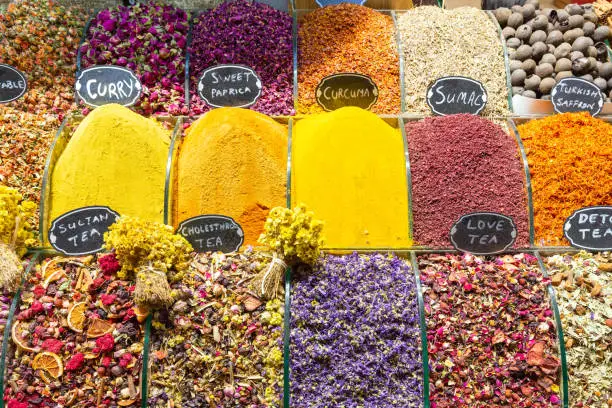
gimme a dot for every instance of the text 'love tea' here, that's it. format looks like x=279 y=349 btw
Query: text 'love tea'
x=577 y=95
x=13 y=84
x=455 y=94
x=590 y=228
x=346 y=89
x=104 y=84
x=230 y=86
x=212 y=233
x=81 y=231
x=483 y=233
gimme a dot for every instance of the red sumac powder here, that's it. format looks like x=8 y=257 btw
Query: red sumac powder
x=462 y=164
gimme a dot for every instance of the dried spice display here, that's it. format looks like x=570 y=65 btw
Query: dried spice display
x=355 y=336
x=583 y=283
x=150 y=39
x=247 y=33
x=569 y=160
x=218 y=345
x=231 y=162
x=101 y=166
x=491 y=336
x=547 y=45
x=348 y=38
x=41 y=38
x=24 y=145
x=462 y=41
x=486 y=174
x=76 y=338
x=365 y=203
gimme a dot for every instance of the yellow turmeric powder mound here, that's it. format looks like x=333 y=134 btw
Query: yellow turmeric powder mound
x=570 y=160
x=115 y=158
x=232 y=162
x=348 y=166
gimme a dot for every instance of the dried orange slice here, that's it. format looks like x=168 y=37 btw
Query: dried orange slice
x=141 y=313
x=20 y=340
x=49 y=362
x=99 y=327
x=53 y=277
x=76 y=317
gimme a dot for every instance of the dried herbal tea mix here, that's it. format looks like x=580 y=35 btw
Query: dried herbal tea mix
x=490 y=331
x=219 y=345
x=463 y=41
x=355 y=335
x=76 y=337
x=583 y=283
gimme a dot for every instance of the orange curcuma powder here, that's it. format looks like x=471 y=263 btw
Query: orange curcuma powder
x=570 y=160
x=231 y=162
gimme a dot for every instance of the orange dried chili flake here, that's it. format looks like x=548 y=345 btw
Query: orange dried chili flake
x=570 y=160
x=348 y=38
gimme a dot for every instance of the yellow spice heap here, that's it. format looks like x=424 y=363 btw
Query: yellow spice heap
x=232 y=162
x=115 y=158
x=349 y=168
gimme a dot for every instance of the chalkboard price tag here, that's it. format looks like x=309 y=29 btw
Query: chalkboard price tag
x=577 y=95
x=104 y=84
x=483 y=233
x=590 y=228
x=323 y=3
x=230 y=86
x=346 y=89
x=81 y=231
x=13 y=84
x=212 y=233
x=456 y=94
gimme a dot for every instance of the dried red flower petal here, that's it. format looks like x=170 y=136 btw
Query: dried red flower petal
x=39 y=291
x=75 y=362
x=108 y=300
x=52 y=345
x=109 y=264
x=105 y=343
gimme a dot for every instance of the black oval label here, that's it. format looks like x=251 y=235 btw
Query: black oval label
x=483 y=233
x=229 y=86
x=590 y=228
x=210 y=233
x=104 y=84
x=13 y=84
x=456 y=94
x=577 y=95
x=81 y=231
x=346 y=89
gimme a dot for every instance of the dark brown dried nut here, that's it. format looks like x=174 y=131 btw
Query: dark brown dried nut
x=581 y=66
x=563 y=51
x=544 y=70
x=529 y=66
x=582 y=44
x=502 y=14
x=539 y=23
x=602 y=51
x=523 y=32
x=562 y=15
x=517 y=8
x=548 y=58
x=590 y=17
x=517 y=78
x=574 y=55
x=571 y=35
x=574 y=9
x=536 y=36
x=605 y=72
x=514 y=65
x=538 y=50
x=528 y=12
x=513 y=42
x=576 y=21
x=563 y=64
x=555 y=38
x=547 y=85
x=530 y=94
x=515 y=20
x=517 y=90
x=563 y=74
x=591 y=51
x=508 y=32
x=532 y=83
x=601 y=33
x=523 y=52
x=588 y=28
